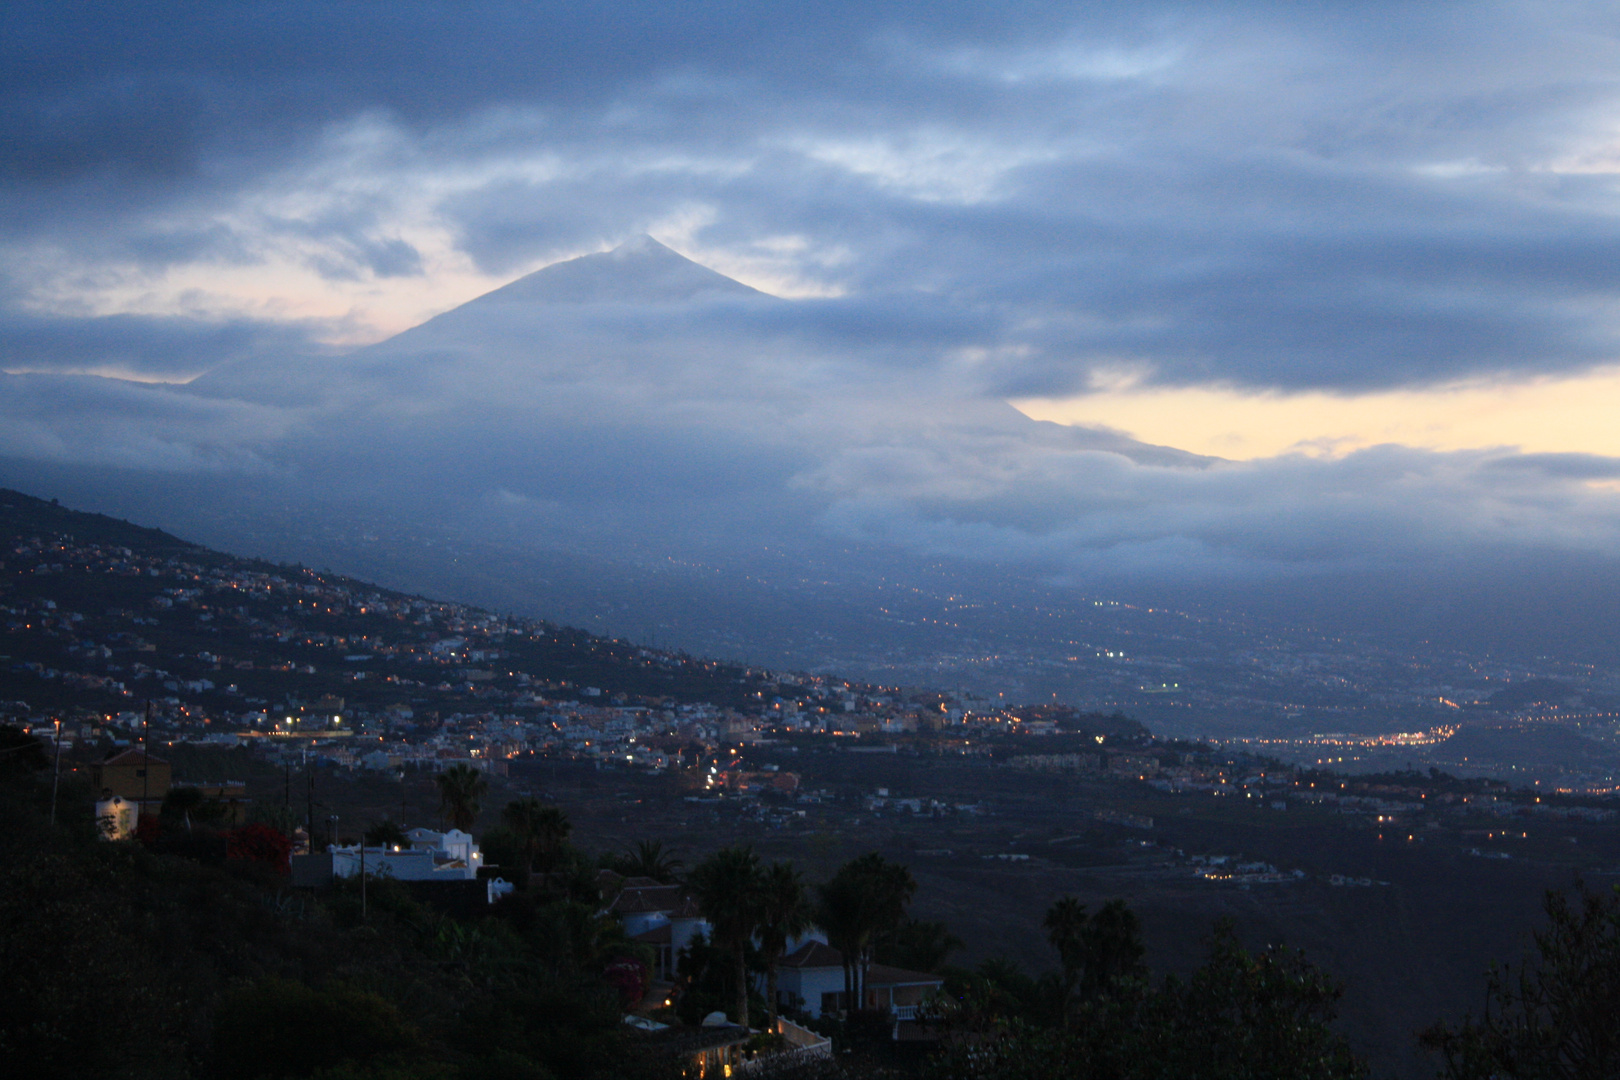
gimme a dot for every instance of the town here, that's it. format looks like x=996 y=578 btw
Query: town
x=174 y=683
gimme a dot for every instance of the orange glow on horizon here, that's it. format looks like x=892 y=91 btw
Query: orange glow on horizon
x=1538 y=415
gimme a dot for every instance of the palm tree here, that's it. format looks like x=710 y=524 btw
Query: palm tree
x=461 y=791
x=1097 y=951
x=649 y=859
x=918 y=945
x=386 y=832
x=542 y=829
x=727 y=885
x=840 y=914
x=866 y=898
x=784 y=913
x=1066 y=924
x=1113 y=949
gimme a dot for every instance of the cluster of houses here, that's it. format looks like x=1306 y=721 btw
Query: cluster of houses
x=131 y=783
x=810 y=973
x=663 y=916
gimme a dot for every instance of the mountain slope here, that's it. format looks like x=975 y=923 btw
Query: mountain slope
x=100 y=614
x=638 y=444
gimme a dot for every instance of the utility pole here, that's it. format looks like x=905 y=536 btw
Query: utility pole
x=56 y=775
x=310 y=822
x=362 y=877
x=146 y=763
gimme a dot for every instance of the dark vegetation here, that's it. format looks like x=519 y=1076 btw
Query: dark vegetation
x=123 y=961
x=1240 y=1014
x=1557 y=1014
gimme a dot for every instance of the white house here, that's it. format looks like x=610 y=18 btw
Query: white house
x=663 y=916
x=431 y=856
x=812 y=977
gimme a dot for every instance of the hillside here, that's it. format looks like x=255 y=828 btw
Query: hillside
x=101 y=614
x=341 y=687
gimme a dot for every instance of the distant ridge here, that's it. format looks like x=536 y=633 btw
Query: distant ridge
x=21 y=514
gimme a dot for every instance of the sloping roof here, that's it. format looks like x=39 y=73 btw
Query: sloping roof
x=642 y=900
x=608 y=880
x=688 y=909
x=883 y=975
x=132 y=757
x=813 y=954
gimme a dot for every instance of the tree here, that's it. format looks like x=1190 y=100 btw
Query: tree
x=21 y=754
x=386 y=833
x=784 y=913
x=865 y=898
x=190 y=806
x=461 y=793
x=1097 y=951
x=182 y=802
x=841 y=915
x=259 y=844
x=1240 y=1016
x=648 y=859
x=727 y=885
x=1112 y=949
x=1066 y=923
x=1558 y=1018
x=917 y=945
x=1246 y=1014
x=542 y=829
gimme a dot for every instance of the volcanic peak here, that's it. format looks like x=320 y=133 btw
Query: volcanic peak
x=639 y=271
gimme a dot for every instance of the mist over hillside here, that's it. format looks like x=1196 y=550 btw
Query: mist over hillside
x=634 y=443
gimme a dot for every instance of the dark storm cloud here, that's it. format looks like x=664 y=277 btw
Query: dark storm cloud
x=1563 y=466
x=148 y=346
x=1262 y=195
x=108 y=88
x=130 y=130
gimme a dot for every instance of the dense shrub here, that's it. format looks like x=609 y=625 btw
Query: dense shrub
x=278 y=1028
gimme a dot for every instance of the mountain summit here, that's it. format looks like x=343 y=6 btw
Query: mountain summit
x=639 y=271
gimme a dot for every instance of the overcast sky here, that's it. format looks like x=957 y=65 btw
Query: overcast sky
x=1289 y=196
x=1274 y=233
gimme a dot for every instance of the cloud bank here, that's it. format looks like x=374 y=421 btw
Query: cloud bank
x=636 y=394
x=1262 y=196
x=951 y=206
